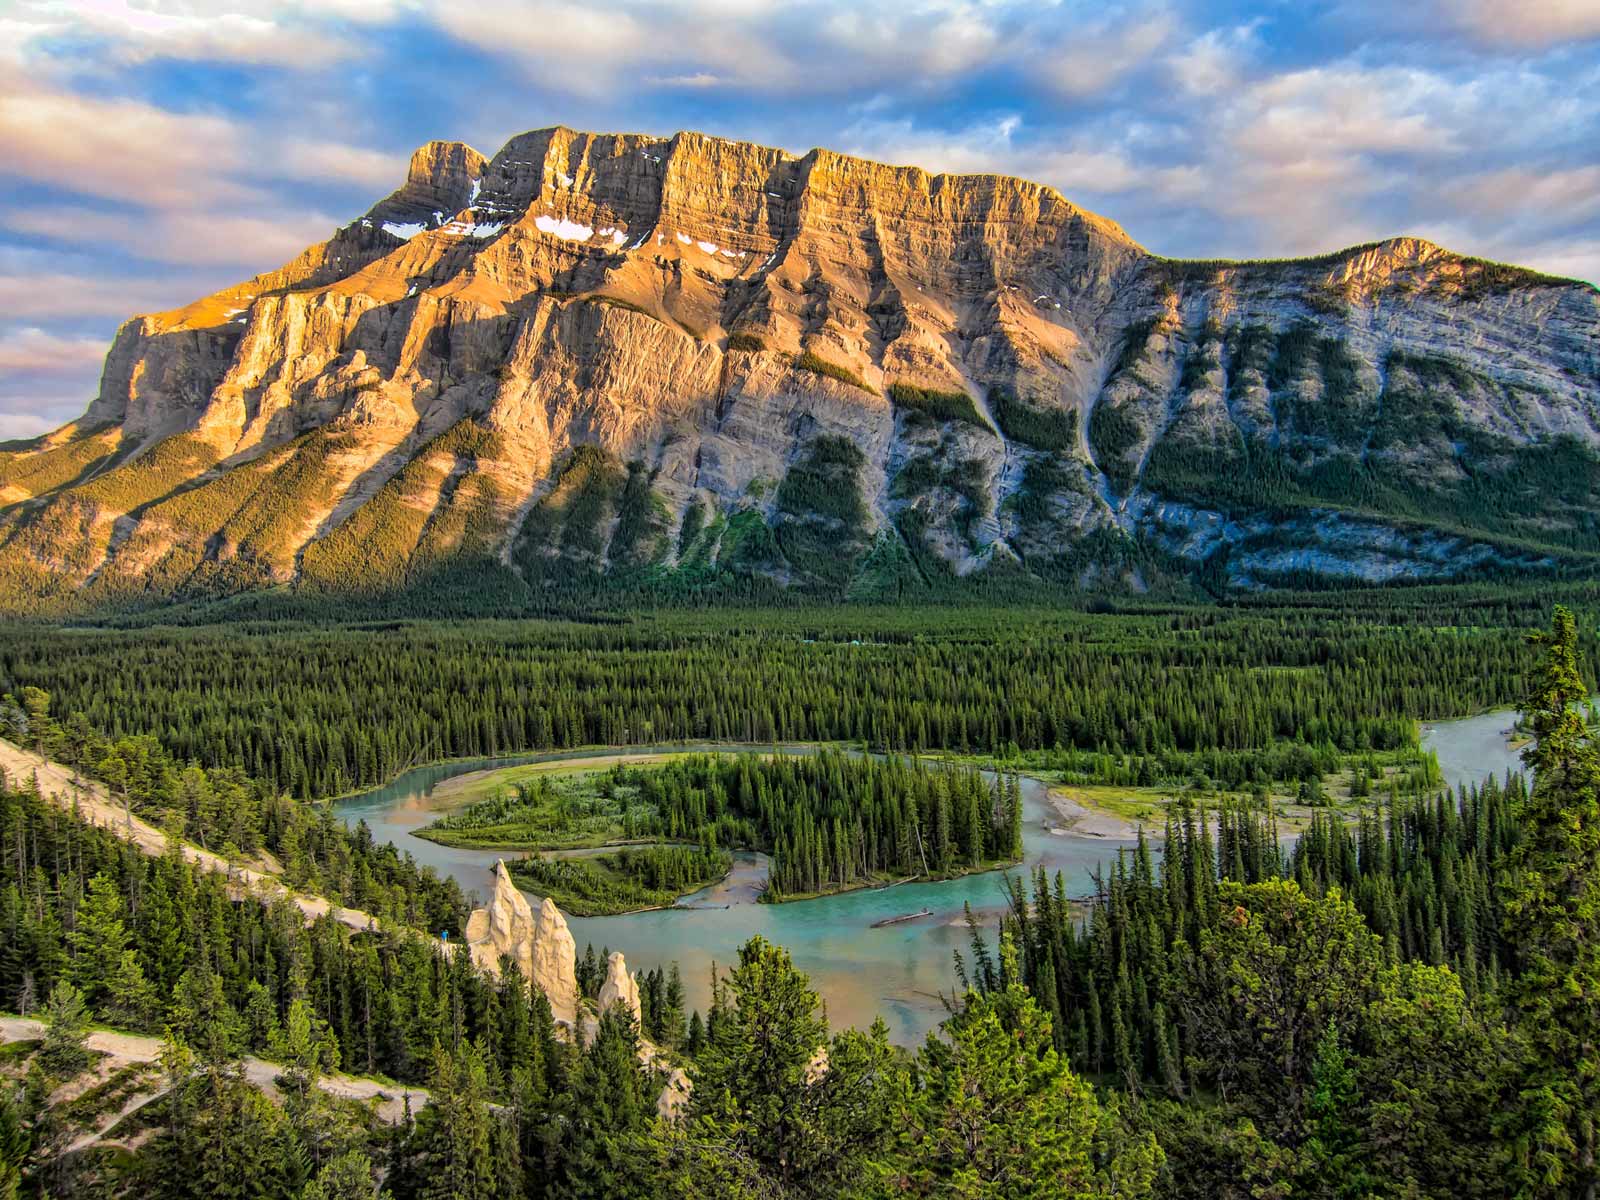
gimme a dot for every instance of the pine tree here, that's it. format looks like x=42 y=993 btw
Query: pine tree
x=769 y=1090
x=452 y=1147
x=98 y=941
x=65 y=1053
x=992 y=1110
x=670 y=1019
x=348 y=1177
x=1552 y=924
x=604 y=1147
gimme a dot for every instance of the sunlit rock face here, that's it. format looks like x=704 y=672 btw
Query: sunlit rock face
x=541 y=946
x=504 y=926
x=555 y=962
x=595 y=354
x=619 y=988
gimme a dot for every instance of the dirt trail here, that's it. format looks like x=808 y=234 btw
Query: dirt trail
x=127 y=1049
x=60 y=785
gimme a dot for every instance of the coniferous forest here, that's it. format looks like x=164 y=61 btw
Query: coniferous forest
x=829 y=821
x=1398 y=1001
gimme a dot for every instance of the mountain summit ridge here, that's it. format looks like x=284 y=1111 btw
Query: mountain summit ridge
x=688 y=361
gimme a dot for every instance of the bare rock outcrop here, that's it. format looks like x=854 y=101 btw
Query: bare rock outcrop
x=505 y=926
x=619 y=987
x=675 y=1095
x=541 y=945
x=555 y=962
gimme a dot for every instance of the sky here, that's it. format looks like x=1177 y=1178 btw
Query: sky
x=153 y=151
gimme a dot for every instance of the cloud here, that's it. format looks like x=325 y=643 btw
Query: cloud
x=291 y=35
x=45 y=379
x=323 y=161
x=1493 y=27
x=1511 y=193
x=119 y=149
x=248 y=243
x=1529 y=23
x=1086 y=61
x=985 y=147
x=1215 y=62
x=700 y=79
x=43 y=294
x=130 y=150
x=32 y=349
x=25 y=425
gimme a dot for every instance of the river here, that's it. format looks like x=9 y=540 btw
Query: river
x=898 y=971
x=1473 y=749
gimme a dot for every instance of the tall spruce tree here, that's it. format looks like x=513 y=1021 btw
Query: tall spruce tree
x=1552 y=924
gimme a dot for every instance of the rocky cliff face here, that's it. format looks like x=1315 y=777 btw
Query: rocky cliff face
x=691 y=360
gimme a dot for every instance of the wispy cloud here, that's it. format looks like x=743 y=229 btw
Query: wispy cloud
x=32 y=349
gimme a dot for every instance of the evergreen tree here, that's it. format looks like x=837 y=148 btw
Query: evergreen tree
x=1268 y=979
x=605 y=1148
x=768 y=1089
x=348 y=1177
x=65 y=1052
x=1552 y=924
x=452 y=1150
x=992 y=1110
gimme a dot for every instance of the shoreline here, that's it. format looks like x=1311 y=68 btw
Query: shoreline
x=1085 y=821
x=884 y=885
x=590 y=764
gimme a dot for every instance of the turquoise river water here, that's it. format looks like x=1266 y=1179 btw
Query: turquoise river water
x=898 y=971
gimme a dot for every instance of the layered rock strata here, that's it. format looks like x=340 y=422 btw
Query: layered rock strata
x=614 y=355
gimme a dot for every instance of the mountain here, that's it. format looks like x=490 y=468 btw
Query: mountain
x=692 y=363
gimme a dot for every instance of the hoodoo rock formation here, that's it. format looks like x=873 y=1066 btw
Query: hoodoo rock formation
x=555 y=962
x=542 y=946
x=689 y=361
x=619 y=988
x=502 y=927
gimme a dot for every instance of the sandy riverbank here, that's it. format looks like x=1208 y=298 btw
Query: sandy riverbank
x=1081 y=820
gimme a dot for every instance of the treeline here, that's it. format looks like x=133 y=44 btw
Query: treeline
x=830 y=820
x=224 y=810
x=1231 y=770
x=627 y=881
x=317 y=712
x=839 y=821
x=1425 y=874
